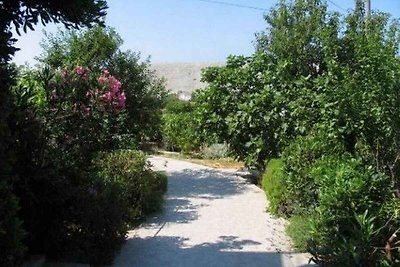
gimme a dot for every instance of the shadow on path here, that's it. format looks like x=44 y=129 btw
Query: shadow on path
x=172 y=251
x=188 y=185
x=204 y=183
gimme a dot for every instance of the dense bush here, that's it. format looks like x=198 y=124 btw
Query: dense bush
x=139 y=185
x=99 y=49
x=349 y=223
x=301 y=190
x=61 y=120
x=120 y=189
x=53 y=123
x=11 y=231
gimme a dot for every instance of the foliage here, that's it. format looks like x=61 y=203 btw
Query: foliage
x=322 y=93
x=241 y=125
x=138 y=184
x=273 y=183
x=60 y=124
x=121 y=189
x=298 y=230
x=301 y=190
x=274 y=92
x=180 y=126
x=346 y=225
x=99 y=49
x=11 y=231
x=25 y=14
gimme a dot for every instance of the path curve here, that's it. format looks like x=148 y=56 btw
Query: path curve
x=211 y=218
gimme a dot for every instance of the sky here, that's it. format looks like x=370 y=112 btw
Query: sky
x=191 y=31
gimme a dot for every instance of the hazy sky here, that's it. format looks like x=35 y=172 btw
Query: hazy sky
x=186 y=30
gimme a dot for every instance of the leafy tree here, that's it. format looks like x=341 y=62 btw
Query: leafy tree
x=26 y=14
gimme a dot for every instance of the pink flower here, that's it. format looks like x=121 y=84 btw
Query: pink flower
x=107 y=97
x=102 y=80
x=85 y=111
x=64 y=74
x=121 y=100
x=106 y=72
x=115 y=85
x=80 y=70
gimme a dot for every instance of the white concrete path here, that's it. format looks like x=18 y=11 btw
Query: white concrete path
x=211 y=218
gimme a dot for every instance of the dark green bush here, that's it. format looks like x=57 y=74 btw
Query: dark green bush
x=115 y=195
x=273 y=183
x=11 y=231
x=346 y=222
x=300 y=187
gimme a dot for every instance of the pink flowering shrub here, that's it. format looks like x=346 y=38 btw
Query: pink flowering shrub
x=88 y=109
x=112 y=95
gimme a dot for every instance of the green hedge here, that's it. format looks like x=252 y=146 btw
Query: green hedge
x=273 y=184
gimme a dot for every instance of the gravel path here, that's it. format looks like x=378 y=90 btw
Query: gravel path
x=211 y=218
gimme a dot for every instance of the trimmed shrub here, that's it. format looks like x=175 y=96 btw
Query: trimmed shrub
x=139 y=185
x=112 y=197
x=273 y=184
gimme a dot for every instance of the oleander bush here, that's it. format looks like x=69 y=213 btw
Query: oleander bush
x=61 y=121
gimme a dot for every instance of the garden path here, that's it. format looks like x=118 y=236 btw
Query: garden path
x=211 y=218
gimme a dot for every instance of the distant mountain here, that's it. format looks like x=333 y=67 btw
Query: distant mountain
x=182 y=77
